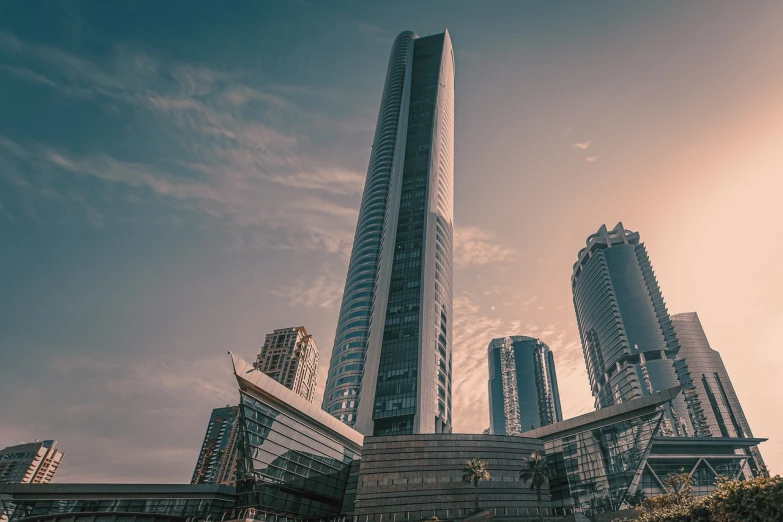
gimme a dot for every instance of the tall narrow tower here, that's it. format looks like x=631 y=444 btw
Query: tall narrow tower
x=628 y=340
x=390 y=370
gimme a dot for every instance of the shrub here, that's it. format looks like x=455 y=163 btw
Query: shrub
x=756 y=500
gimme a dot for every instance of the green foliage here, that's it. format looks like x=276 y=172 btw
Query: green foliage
x=756 y=500
x=475 y=471
x=537 y=471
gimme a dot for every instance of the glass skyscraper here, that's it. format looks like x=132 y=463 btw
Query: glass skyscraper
x=628 y=340
x=717 y=410
x=390 y=369
x=217 y=460
x=523 y=392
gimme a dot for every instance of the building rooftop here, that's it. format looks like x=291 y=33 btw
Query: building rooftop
x=632 y=408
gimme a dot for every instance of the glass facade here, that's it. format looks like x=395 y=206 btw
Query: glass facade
x=595 y=468
x=346 y=368
x=179 y=507
x=116 y=502
x=217 y=460
x=293 y=458
x=288 y=466
x=390 y=371
x=523 y=392
x=628 y=340
x=716 y=408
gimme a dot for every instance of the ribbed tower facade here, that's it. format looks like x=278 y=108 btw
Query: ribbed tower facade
x=390 y=370
x=717 y=410
x=628 y=340
x=523 y=392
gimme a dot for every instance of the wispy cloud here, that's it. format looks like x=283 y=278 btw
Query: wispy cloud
x=475 y=246
x=582 y=145
x=229 y=154
x=324 y=291
x=591 y=159
x=27 y=75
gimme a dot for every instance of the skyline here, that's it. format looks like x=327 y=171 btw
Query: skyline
x=155 y=195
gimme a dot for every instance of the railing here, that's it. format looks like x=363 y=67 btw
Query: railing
x=251 y=514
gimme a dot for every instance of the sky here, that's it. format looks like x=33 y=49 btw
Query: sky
x=178 y=179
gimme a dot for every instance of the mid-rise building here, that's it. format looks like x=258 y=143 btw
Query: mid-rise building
x=523 y=392
x=629 y=344
x=290 y=356
x=30 y=463
x=716 y=407
x=390 y=372
x=217 y=461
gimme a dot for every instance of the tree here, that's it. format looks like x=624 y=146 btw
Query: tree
x=636 y=499
x=537 y=472
x=474 y=472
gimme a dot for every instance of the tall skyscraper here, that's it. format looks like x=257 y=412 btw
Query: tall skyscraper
x=628 y=339
x=523 y=393
x=390 y=371
x=30 y=462
x=717 y=410
x=290 y=356
x=217 y=461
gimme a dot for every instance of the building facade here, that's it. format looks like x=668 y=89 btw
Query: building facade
x=523 y=392
x=390 y=371
x=628 y=340
x=603 y=458
x=416 y=477
x=290 y=356
x=293 y=458
x=718 y=412
x=30 y=463
x=117 y=502
x=217 y=460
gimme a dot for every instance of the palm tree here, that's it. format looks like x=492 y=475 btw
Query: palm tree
x=537 y=472
x=475 y=471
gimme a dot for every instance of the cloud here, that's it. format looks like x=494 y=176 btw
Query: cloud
x=324 y=291
x=228 y=152
x=591 y=159
x=27 y=75
x=474 y=246
x=154 y=390
x=473 y=330
x=582 y=145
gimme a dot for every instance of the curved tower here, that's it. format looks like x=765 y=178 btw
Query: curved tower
x=628 y=339
x=390 y=369
x=523 y=392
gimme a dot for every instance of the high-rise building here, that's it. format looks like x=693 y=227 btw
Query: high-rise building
x=627 y=336
x=217 y=461
x=30 y=462
x=523 y=393
x=390 y=370
x=290 y=356
x=716 y=409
